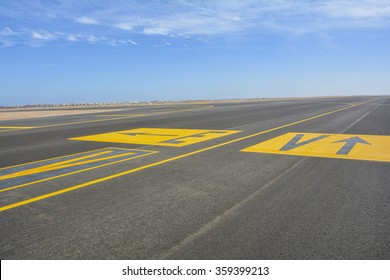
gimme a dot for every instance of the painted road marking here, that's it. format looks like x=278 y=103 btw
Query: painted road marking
x=121 y=115
x=27 y=174
x=161 y=162
x=13 y=128
x=345 y=146
x=158 y=136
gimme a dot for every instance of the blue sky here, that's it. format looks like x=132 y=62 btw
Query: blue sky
x=115 y=51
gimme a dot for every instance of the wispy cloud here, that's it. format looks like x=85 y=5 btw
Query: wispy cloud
x=36 y=38
x=43 y=35
x=6 y=31
x=72 y=38
x=124 y=25
x=86 y=20
x=116 y=21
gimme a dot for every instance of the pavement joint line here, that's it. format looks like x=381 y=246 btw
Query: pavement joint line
x=226 y=214
x=113 y=176
x=81 y=122
x=78 y=171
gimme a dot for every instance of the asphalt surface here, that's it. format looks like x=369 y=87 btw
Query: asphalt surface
x=205 y=200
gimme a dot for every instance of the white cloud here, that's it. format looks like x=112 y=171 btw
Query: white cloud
x=37 y=38
x=6 y=31
x=93 y=39
x=86 y=20
x=118 y=20
x=356 y=9
x=156 y=31
x=230 y=17
x=124 y=25
x=72 y=38
x=43 y=35
x=131 y=42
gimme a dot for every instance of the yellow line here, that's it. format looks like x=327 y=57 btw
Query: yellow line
x=39 y=161
x=76 y=160
x=121 y=115
x=16 y=127
x=80 y=163
x=41 y=197
x=77 y=171
x=55 y=166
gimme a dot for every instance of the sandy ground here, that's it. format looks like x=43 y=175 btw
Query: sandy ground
x=4 y=116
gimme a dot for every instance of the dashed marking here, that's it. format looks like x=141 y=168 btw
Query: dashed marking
x=158 y=136
x=344 y=146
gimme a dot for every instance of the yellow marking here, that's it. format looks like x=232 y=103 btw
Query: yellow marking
x=16 y=127
x=158 y=136
x=345 y=146
x=60 y=157
x=57 y=165
x=80 y=186
x=121 y=115
x=131 y=151
x=12 y=128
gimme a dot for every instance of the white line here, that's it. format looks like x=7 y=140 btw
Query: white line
x=362 y=117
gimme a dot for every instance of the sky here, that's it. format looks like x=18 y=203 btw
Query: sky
x=85 y=51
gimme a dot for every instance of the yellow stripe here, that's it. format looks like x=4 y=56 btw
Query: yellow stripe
x=77 y=159
x=13 y=128
x=16 y=127
x=41 y=197
x=50 y=167
x=78 y=171
x=60 y=165
x=121 y=115
x=43 y=160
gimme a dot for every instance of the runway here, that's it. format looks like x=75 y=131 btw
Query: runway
x=300 y=178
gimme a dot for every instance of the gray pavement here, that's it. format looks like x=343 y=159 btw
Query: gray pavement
x=201 y=198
